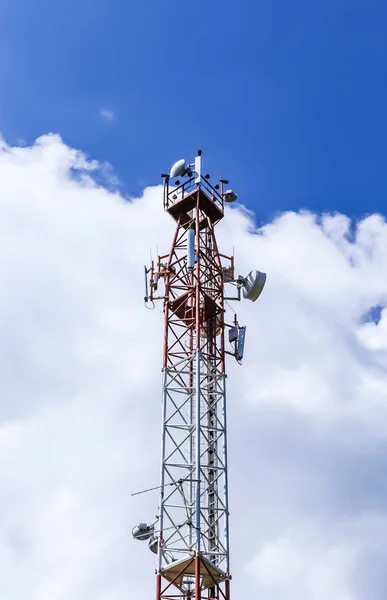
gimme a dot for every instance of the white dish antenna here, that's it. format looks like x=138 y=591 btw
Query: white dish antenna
x=142 y=532
x=153 y=544
x=178 y=169
x=229 y=196
x=253 y=285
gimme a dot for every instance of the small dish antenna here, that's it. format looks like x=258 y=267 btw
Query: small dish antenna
x=229 y=196
x=153 y=544
x=142 y=532
x=178 y=169
x=253 y=285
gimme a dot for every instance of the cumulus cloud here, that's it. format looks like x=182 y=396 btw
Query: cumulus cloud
x=80 y=388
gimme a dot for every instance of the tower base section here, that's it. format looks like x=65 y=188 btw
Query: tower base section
x=192 y=578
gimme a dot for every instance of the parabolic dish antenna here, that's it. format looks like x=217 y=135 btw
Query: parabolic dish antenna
x=142 y=532
x=253 y=285
x=229 y=196
x=178 y=169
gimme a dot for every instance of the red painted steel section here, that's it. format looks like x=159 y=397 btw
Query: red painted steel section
x=158 y=586
x=166 y=304
x=227 y=589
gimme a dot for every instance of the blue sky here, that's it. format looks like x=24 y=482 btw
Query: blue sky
x=287 y=99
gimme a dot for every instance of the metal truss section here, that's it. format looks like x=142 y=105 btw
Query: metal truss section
x=193 y=502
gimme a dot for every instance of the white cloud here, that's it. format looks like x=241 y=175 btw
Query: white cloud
x=301 y=560
x=80 y=389
x=106 y=114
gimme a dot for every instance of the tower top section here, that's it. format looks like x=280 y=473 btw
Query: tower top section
x=185 y=188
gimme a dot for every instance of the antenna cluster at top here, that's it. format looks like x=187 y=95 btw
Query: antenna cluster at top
x=181 y=169
x=248 y=287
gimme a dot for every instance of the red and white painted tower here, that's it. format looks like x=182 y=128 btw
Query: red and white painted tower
x=191 y=533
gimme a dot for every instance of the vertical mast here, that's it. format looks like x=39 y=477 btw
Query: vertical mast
x=192 y=534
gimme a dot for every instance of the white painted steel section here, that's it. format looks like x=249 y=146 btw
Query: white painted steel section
x=225 y=481
x=190 y=249
x=188 y=478
x=162 y=473
x=198 y=168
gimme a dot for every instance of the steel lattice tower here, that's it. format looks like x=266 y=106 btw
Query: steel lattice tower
x=191 y=533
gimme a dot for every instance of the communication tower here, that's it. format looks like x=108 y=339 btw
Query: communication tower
x=190 y=534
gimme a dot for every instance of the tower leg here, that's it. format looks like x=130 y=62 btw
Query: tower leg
x=198 y=595
x=158 y=587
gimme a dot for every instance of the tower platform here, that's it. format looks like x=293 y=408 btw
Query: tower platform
x=210 y=207
x=176 y=572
